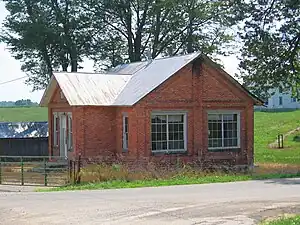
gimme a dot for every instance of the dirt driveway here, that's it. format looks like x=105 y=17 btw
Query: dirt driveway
x=243 y=203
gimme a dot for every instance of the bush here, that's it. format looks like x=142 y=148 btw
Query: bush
x=104 y=172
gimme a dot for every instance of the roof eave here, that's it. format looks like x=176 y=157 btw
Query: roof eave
x=48 y=92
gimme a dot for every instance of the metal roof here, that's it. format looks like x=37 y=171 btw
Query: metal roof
x=115 y=88
x=23 y=129
x=151 y=76
x=91 y=89
x=130 y=68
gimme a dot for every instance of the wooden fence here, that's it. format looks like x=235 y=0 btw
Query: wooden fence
x=24 y=146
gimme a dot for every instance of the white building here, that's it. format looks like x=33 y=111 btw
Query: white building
x=282 y=100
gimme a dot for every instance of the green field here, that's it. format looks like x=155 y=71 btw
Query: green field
x=23 y=114
x=267 y=127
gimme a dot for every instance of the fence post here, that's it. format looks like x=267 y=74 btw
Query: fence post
x=280 y=140
x=22 y=171
x=45 y=172
x=78 y=170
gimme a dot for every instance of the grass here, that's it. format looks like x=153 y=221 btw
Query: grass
x=290 y=220
x=267 y=127
x=116 y=184
x=23 y=114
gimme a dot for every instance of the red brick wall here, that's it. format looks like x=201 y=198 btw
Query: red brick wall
x=195 y=93
x=98 y=131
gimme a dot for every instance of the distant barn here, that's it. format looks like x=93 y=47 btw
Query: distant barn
x=24 y=139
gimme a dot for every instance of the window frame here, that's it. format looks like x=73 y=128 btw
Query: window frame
x=125 y=134
x=170 y=113
x=70 y=131
x=225 y=112
x=280 y=100
x=55 y=130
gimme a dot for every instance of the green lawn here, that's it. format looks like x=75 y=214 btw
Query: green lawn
x=267 y=127
x=23 y=114
x=114 y=184
x=294 y=220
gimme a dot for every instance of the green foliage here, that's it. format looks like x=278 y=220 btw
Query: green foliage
x=23 y=114
x=54 y=35
x=285 y=220
x=45 y=36
x=270 y=54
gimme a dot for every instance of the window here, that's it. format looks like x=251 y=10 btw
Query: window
x=168 y=132
x=280 y=100
x=125 y=132
x=70 y=132
x=267 y=102
x=223 y=130
x=293 y=99
x=55 y=129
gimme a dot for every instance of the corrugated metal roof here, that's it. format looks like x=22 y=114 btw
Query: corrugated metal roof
x=91 y=89
x=23 y=129
x=130 y=68
x=115 y=88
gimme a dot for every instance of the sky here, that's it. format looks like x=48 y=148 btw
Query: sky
x=10 y=69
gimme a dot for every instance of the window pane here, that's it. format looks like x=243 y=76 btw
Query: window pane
x=175 y=119
x=226 y=123
x=181 y=144
x=159 y=137
x=153 y=128
x=154 y=146
x=167 y=136
x=159 y=119
x=214 y=117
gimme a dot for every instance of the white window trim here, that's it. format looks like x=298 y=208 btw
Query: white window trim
x=170 y=113
x=55 y=141
x=70 y=133
x=228 y=112
x=124 y=142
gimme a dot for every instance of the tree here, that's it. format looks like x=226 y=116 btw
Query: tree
x=46 y=36
x=270 y=53
x=149 y=28
x=51 y=35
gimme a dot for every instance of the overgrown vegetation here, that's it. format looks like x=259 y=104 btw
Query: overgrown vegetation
x=284 y=220
x=103 y=176
x=23 y=114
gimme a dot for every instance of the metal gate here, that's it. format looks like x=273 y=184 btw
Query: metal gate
x=34 y=170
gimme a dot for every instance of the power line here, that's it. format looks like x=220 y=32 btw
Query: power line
x=9 y=81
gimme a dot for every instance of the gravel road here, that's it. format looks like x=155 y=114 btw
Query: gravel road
x=243 y=203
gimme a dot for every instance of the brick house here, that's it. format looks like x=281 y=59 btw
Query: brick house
x=183 y=106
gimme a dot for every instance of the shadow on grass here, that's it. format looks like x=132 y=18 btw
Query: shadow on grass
x=288 y=181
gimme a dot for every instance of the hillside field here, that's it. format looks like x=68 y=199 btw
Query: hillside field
x=267 y=127
x=23 y=114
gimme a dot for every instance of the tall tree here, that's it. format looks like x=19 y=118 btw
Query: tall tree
x=270 y=55
x=46 y=35
x=149 y=28
x=50 y=35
